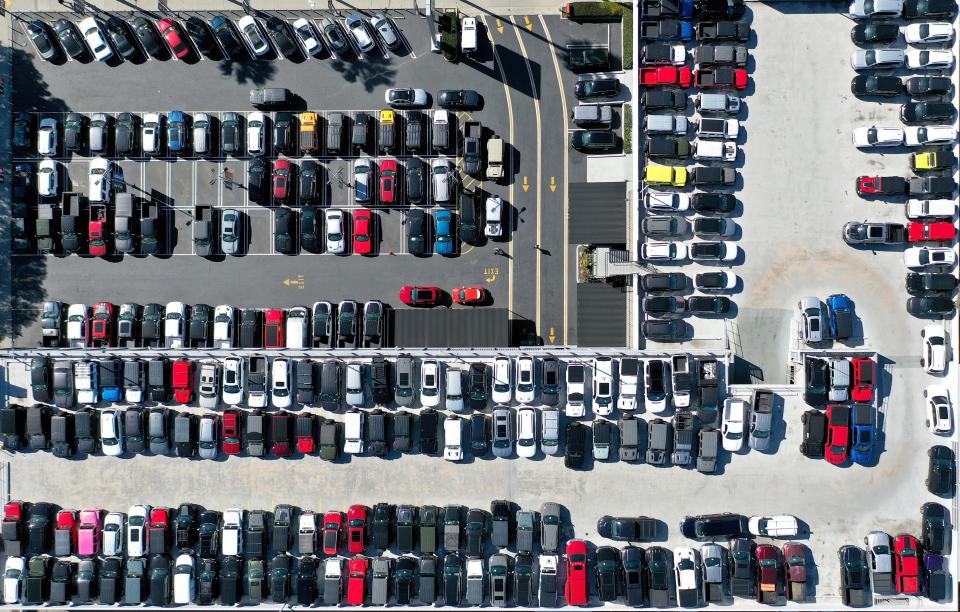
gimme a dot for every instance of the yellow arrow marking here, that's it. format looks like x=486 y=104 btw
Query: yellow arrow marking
x=526 y=183
x=527 y=22
x=499 y=26
x=552 y=335
x=491 y=274
x=297 y=282
x=553 y=183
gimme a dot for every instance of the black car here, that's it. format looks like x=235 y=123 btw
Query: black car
x=40 y=378
x=934 y=530
x=663 y=282
x=576 y=435
x=941 y=471
x=927 y=112
x=663 y=331
x=815 y=375
x=854 y=577
x=69 y=38
x=627 y=529
x=185 y=526
x=227 y=36
x=928 y=85
x=594 y=140
x=279 y=578
x=418 y=232
x=256 y=176
x=200 y=34
x=453 y=579
x=609 y=573
x=61 y=582
x=207 y=583
x=743 y=560
x=307 y=181
x=429 y=424
x=938 y=283
x=713 y=202
x=589 y=89
x=110 y=582
x=713 y=304
x=406 y=527
x=160 y=578
x=814 y=434
x=381 y=526
x=208 y=534
x=403 y=579
x=305 y=589
x=201 y=318
x=871 y=33
x=120 y=36
x=929 y=187
x=717 y=9
x=133 y=430
x=230 y=583
x=924 y=306
x=876 y=85
x=336 y=38
x=712 y=175
x=282 y=128
x=73 y=131
x=659 y=566
x=148 y=37
x=663 y=305
x=279 y=31
x=309 y=226
x=469 y=218
x=458 y=99
x=664 y=99
x=477 y=386
x=929 y=9
x=476 y=530
x=711 y=526
x=414 y=177
x=427 y=579
x=283 y=232
x=631 y=560
x=22 y=131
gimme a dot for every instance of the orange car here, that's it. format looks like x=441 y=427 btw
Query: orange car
x=469 y=295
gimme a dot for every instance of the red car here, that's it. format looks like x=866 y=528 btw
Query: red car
x=862 y=380
x=273 y=329
x=469 y=295
x=881 y=185
x=97 y=243
x=67 y=526
x=356 y=529
x=388 y=181
x=939 y=231
x=13 y=515
x=420 y=296
x=795 y=570
x=280 y=435
x=720 y=77
x=171 y=33
x=158 y=530
x=182 y=381
x=907 y=568
x=281 y=179
x=101 y=327
x=362 y=231
x=357 y=580
x=230 y=432
x=838 y=433
x=768 y=569
x=332 y=524
x=652 y=76
x=576 y=590
x=306 y=440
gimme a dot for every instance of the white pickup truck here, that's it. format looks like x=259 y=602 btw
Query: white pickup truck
x=719 y=150
x=782 y=526
x=85 y=382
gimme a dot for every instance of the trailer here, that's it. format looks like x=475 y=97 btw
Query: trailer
x=681 y=383
x=203 y=229
x=708 y=382
x=257 y=382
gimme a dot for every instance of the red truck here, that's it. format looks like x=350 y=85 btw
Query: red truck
x=97 y=229
x=182 y=381
x=720 y=77
x=908 y=565
x=654 y=76
x=939 y=231
x=158 y=531
x=576 y=589
x=768 y=569
x=273 y=329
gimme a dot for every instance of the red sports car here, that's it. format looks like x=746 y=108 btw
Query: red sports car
x=652 y=76
x=67 y=525
x=838 y=433
x=939 y=231
x=356 y=529
x=908 y=564
x=101 y=327
x=720 y=77
x=273 y=329
x=862 y=380
x=469 y=295
x=881 y=185
x=420 y=296
x=362 y=231
x=230 y=432
x=332 y=525
x=171 y=33
x=388 y=181
x=281 y=179
x=357 y=581
x=576 y=589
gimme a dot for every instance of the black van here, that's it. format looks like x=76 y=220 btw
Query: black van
x=330 y=440
x=429 y=423
x=469 y=218
x=378 y=427
x=157 y=380
x=330 y=385
x=414 y=178
x=85 y=424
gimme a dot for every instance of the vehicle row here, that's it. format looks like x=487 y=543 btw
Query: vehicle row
x=888 y=86
x=915 y=34
x=891 y=566
x=838 y=324
x=912 y=59
x=903 y=9
x=838 y=379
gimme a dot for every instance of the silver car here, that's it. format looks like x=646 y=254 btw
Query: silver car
x=230 y=231
x=550 y=527
x=207 y=438
x=502 y=434
x=358 y=29
x=877 y=59
x=880 y=560
x=385 y=30
x=712 y=563
x=809 y=307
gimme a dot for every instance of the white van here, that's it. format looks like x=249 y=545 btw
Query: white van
x=468 y=35
x=353 y=432
x=453 y=438
x=355 y=384
x=454 y=395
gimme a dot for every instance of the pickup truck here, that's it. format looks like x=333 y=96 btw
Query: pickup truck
x=718 y=128
x=97 y=229
x=472 y=140
x=720 y=55
x=663 y=53
x=257 y=382
x=69 y=222
x=708 y=380
x=939 y=231
x=653 y=76
x=681 y=380
x=85 y=381
x=665 y=124
x=716 y=77
x=684 y=432
x=782 y=526
x=856 y=232
x=881 y=185
x=657 y=9
x=203 y=229
x=717 y=150
x=588 y=59
x=712 y=31
x=45 y=228
x=666 y=29
x=713 y=175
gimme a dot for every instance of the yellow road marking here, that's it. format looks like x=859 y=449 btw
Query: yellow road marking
x=552 y=336
x=527 y=23
x=553 y=183
x=499 y=26
x=526 y=183
x=297 y=282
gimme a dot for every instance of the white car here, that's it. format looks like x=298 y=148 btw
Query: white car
x=715 y=150
x=353 y=384
x=919 y=136
x=526 y=384
x=47 y=137
x=430 y=383
x=223 y=323
x=137 y=530
x=233 y=380
x=150 y=133
x=628 y=375
x=100 y=179
x=358 y=29
x=811 y=315
x=876 y=59
x=873 y=136
x=175 y=325
x=78 y=324
x=385 y=29
x=501 y=381
x=353 y=426
x=935 y=32
x=111 y=433
x=715 y=281
x=362 y=172
x=308 y=37
x=663 y=251
x=939 y=409
x=657 y=384
x=526 y=432
x=924 y=257
x=336 y=242
x=685 y=570
x=603 y=385
x=442 y=172
x=493 y=227
x=113 y=534
x=929 y=59
x=232 y=538
x=781 y=526
x=666 y=201
x=13 y=579
x=934 y=359
x=47 y=183
x=280 y=383
x=734 y=417
x=862 y=9
x=574 y=377
x=405 y=97
x=183 y=579
x=93 y=35
x=307 y=533
x=251 y=32
x=453 y=438
x=924 y=209
x=256 y=128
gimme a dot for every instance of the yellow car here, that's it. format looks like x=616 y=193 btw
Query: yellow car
x=933 y=160
x=665 y=175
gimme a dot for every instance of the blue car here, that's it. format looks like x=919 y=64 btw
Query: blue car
x=682 y=9
x=443 y=222
x=177 y=132
x=864 y=431
x=840 y=313
x=666 y=30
